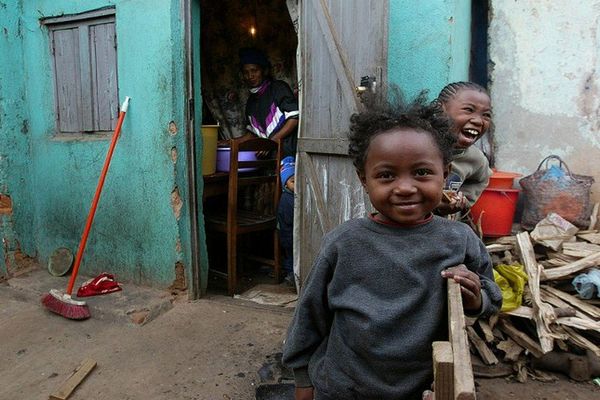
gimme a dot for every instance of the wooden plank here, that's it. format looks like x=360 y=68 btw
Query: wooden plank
x=579 y=323
x=581 y=305
x=559 y=303
x=581 y=341
x=109 y=11
x=483 y=350
x=486 y=330
x=78 y=375
x=67 y=79
x=580 y=249
x=322 y=211
x=590 y=237
x=497 y=247
x=521 y=338
x=335 y=146
x=507 y=240
x=337 y=54
x=579 y=265
x=443 y=371
x=103 y=60
x=511 y=349
x=87 y=123
x=464 y=383
x=521 y=311
x=543 y=314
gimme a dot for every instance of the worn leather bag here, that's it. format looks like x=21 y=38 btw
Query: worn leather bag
x=554 y=189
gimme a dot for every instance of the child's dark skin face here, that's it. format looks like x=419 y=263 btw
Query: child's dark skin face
x=471 y=112
x=253 y=74
x=404 y=174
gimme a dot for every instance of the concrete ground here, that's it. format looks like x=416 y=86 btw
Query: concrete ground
x=149 y=344
x=207 y=349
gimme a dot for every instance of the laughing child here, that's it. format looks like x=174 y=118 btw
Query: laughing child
x=469 y=107
x=375 y=299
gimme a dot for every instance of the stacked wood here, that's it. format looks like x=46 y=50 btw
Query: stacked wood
x=552 y=318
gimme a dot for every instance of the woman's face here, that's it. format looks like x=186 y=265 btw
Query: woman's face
x=253 y=74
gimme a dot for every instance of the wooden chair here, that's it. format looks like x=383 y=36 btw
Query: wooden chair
x=238 y=219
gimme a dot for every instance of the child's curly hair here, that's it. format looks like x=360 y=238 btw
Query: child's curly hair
x=384 y=115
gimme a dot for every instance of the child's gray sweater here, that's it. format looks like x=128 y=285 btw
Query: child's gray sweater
x=373 y=304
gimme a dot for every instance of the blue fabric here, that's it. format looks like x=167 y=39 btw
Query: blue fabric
x=288 y=169
x=588 y=284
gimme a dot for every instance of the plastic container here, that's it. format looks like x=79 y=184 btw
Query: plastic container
x=223 y=154
x=210 y=135
x=502 y=179
x=496 y=210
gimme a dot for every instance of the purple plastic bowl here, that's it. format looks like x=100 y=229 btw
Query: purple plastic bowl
x=223 y=159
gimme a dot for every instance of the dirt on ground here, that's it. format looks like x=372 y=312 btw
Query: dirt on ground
x=216 y=348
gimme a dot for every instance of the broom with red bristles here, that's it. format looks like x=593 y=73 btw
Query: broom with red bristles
x=62 y=303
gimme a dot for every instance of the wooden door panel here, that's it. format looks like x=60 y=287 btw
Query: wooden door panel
x=340 y=41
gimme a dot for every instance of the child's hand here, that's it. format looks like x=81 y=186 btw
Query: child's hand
x=452 y=202
x=470 y=286
x=305 y=393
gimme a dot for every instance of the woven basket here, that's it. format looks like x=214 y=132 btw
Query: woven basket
x=566 y=194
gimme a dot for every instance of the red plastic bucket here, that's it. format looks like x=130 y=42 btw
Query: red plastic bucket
x=502 y=179
x=496 y=210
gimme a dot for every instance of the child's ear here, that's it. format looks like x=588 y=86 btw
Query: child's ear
x=447 y=171
x=363 y=179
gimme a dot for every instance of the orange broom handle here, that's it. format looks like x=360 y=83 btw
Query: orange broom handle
x=90 y=218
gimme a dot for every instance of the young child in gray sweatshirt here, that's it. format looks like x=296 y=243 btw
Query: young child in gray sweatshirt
x=375 y=299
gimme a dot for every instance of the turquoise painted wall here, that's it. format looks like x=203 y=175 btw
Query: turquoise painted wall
x=429 y=44
x=15 y=177
x=136 y=234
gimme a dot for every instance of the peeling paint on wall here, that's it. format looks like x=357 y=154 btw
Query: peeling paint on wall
x=176 y=202
x=172 y=128
x=179 y=283
x=545 y=85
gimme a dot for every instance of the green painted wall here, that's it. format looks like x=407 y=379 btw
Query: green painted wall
x=136 y=234
x=429 y=44
x=15 y=152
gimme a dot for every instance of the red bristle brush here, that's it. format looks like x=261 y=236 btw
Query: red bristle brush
x=62 y=303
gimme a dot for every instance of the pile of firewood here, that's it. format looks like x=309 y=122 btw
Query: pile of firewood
x=554 y=329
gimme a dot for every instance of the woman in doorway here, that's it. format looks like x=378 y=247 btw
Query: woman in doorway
x=272 y=109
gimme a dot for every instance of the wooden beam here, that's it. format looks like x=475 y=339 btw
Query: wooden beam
x=443 y=371
x=65 y=390
x=487 y=330
x=580 y=249
x=487 y=356
x=581 y=341
x=581 y=305
x=338 y=56
x=497 y=247
x=332 y=146
x=521 y=338
x=464 y=383
x=543 y=313
x=586 y=262
x=322 y=212
x=511 y=349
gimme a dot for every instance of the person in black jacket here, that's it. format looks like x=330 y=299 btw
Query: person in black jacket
x=272 y=109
